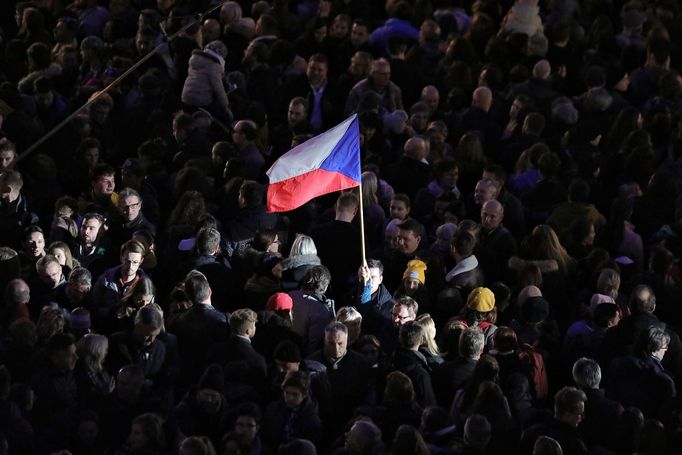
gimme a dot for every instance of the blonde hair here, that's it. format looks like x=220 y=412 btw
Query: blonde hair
x=348 y=314
x=303 y=244
x=429 y=326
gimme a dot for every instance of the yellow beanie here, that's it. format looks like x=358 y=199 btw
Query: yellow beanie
x=481 y=300
x=416 y=269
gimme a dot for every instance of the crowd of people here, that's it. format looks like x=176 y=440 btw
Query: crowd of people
x=520 y=286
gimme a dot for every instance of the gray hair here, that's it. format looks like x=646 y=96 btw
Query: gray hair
x=128 y=192
x=336 y=326
x=92 y=350
x=471 y=342
x=80 y=276
x=586 y=373
x=149 y=316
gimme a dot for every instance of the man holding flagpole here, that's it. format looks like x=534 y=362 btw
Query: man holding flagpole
x=326 y=163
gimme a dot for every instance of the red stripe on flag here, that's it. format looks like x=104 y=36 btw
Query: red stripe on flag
x=294 y=192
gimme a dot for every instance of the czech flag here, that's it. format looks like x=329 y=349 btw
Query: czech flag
x=323 y=164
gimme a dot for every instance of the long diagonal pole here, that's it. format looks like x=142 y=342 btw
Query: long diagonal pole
x=115 y=82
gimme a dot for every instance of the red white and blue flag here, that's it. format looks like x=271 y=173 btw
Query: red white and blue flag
x=325 y=163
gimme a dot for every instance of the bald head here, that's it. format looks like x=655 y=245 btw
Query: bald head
x=485 y=190
x=210 y=30
x=415 y=148
x=230 y=12
x=430 y=97
x=542 y=70
x=492 y=213
x=17 y=291
x=526 y=293
x=482 y=98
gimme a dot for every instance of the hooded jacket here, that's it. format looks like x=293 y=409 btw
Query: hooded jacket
x=204 y=83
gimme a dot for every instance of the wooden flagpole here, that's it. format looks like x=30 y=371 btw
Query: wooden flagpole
x=362 y=227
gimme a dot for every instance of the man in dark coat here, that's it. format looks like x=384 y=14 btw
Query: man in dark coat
x=407 y=359
x=294 y=415
x=569 y=410
x=409 y=240
x=347 y=371
x=140 y=346
x=238 y=346
x=451 y=375
x=209 y=262
x=198 y=328
x=466 y=274
x=601 y=413
x=620 y=340
x=250 y=219
x=374 y=301
x=131 y=217
x=640 y=379
x=204 y=410
x=312 y=310
x=410 y=173
x=338 y=244
x=313 y=86
x=496 y=244
x=93 y=249
x=14 y=213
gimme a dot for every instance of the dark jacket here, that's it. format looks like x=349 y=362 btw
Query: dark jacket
x=601 y=418
x=197 y=330
x=121 y=232
x=14 y=218
x=310 y=315
x=338 y=246
x=640 y=380
x=620 y=341
x=238 y=348
x=245 y=225
x=377 y=312
x=415 y=366
x=348 y=378
x=451 y=376
x=493 y=251
x=408 y=176
x=220 y=278
x=294 y=268
x=282 y=424
x=465 y=276
x=192 y=420
x=124 y=350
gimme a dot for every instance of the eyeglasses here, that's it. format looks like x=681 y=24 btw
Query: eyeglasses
x=129 y=207
x=399 y=317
